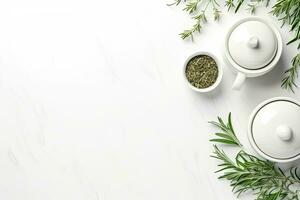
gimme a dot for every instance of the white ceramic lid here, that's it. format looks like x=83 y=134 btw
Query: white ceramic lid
x=252 y=44
x=275 y=129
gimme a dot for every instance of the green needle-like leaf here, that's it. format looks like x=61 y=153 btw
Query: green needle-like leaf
x=288 y=82
x=249 y=173
x=227 y=136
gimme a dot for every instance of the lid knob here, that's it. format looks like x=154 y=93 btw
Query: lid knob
x=284 y=132
x=253 y=42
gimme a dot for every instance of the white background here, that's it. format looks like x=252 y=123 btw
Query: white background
x=93 y=105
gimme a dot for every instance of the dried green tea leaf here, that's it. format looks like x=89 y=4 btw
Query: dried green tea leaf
x=202 y=71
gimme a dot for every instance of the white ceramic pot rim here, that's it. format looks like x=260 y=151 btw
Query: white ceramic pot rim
x=250 y=136
x=219 y=78
x=271 y=65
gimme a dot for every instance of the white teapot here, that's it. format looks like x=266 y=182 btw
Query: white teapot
x=274 y=129
x=253 y=47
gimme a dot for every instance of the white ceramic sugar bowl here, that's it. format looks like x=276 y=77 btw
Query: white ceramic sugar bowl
x=253 y=47
x=274 y=129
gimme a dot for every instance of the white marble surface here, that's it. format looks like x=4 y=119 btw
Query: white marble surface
x=93 y=105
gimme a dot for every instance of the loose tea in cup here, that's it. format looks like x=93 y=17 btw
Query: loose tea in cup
x=202 y=71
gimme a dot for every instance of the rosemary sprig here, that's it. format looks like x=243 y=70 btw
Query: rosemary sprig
x=288 y=82
x=249 y=173
x=195 y=28
x=198 y=14
x=288 y=11
x=227 y=134
x=191 y=6
x=229 y=4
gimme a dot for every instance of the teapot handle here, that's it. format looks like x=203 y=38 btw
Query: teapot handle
x=239 y=80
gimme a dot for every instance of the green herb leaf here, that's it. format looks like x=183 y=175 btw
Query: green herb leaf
x=240 y=2
x=191 y=6
x=289 y=81
x=227 y=136
x=249 y=173
x=216 y=13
